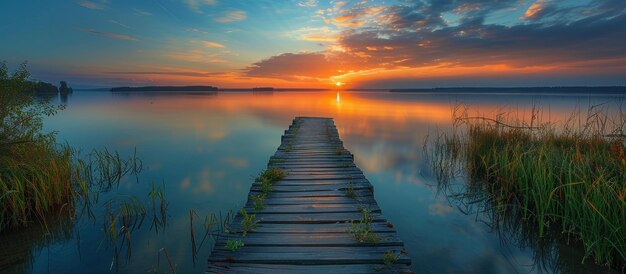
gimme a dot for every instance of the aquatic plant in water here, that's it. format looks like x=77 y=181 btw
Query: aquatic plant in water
x=570 y=179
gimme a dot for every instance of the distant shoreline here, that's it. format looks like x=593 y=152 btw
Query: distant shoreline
x=520 y=90
x=165 y=88
x=460 y=90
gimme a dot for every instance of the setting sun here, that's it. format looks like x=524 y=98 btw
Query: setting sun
x=339 y=84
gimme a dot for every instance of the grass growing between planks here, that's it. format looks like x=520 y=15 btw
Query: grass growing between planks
x=390 y=258
x=362 y=230
x=257 y=201
x=267 y=178
x=571 y=179
x=270 y=175
x=234 y=245
x=248 y=222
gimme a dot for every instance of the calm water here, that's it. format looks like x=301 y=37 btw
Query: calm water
x=206 y=150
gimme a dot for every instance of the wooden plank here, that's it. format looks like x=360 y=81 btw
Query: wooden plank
x=323 y=176
x=309 y=165
x=279 y=154
x=307 y=269
x=316 y=200
x=352 y=172
x=283 y=229
x=314 y=194
x=313 y=208
x=305 y=168
x=312 y=218
x=318 y=187
x=309 y=240
x=310 y=159
x=308 y=255
x=321 y=182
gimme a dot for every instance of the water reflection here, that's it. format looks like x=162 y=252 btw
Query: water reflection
x=207 y=148
x=21 y=248
x=552 y=253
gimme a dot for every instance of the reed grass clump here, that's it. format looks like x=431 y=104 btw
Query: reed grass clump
x=570 y=179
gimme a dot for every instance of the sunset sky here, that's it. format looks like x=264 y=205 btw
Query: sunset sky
x=309 y=43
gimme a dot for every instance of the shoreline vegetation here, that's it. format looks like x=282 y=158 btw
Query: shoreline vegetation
x=43 y=88
x=48 y=190
x=38 y=176
x=567 y=182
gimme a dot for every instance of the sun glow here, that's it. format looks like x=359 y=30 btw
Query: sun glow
x=339 y=84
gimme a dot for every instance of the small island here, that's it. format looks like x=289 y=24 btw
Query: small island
x=263 y=89
x=164 y=88
x=44 y=88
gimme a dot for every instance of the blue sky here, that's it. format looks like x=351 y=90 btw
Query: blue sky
x=312 y=43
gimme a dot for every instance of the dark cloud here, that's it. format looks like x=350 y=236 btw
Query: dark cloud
x=111 y=35
x=415 y=35
x=474 y=43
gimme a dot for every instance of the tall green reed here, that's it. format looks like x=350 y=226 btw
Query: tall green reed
x=568 y=177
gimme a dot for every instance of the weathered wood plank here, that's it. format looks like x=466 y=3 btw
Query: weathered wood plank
x=307 y=269
x=320 y=182
x=320 y=169
x=314 y=194
x=323 y=176
x=317 y=200
x=312 y=218
x=319 y=187
x=282 y=229
x=313 y=208
x=308 y=255
x=309 y=240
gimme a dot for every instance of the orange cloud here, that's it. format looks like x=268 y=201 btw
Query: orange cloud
x=299 y=66
x=213 y=44
x=232 y=16
x=467 y=7
x=196 y=5
x=90 y=5
x=534 y=10
x=319 y=38
x=348 y=20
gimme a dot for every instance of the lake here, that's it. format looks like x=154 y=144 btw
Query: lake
x=205 y=150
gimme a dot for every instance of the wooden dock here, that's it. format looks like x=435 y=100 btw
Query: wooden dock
x=313 y=217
